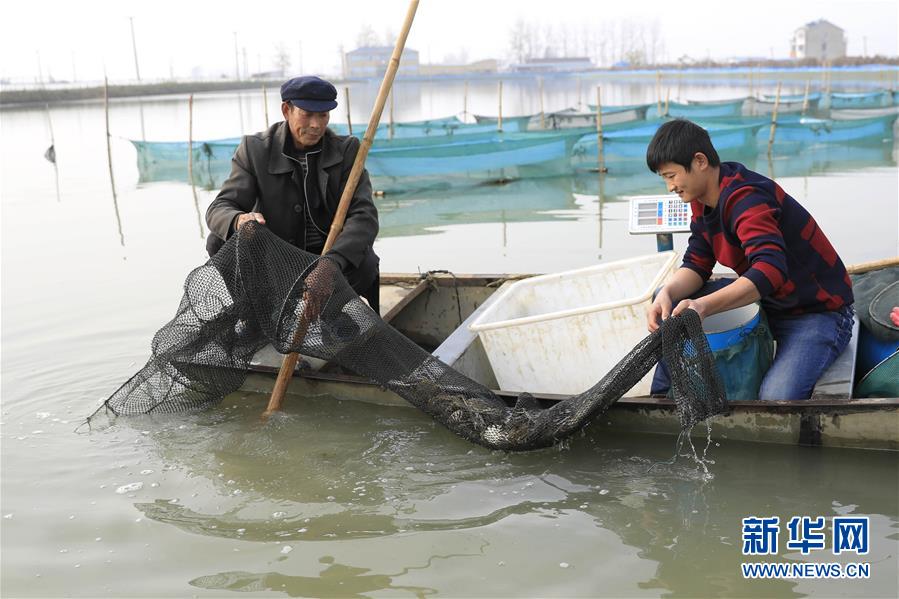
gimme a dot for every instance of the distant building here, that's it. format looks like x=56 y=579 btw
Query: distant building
x=372 y=61
x=481 y=67
x=820 y=40
x=550 y=65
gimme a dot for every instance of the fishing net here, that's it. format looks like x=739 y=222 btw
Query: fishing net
x=258 y=289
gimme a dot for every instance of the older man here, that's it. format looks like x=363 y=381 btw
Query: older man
x=291 y=177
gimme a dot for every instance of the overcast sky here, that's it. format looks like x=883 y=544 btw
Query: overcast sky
x=177 y=37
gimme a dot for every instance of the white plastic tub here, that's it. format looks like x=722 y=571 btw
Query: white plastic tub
x=562 y=332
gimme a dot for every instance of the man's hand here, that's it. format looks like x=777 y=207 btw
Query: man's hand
x=697 y=305
x=659 y=310
x=245 y=218
x=319 y=286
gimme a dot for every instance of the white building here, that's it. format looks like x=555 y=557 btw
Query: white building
x=821 y=40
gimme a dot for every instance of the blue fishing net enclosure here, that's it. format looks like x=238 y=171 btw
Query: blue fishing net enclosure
x=258 y=289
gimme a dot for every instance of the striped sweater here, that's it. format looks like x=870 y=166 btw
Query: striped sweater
x=765 y=235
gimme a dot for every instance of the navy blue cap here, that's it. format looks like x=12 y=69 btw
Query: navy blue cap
x=310 y=93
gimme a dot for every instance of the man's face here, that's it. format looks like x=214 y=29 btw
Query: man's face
x=689 y=185
x=306 y=127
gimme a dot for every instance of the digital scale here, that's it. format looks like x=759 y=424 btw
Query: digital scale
x=661 y=215
x=658 y=214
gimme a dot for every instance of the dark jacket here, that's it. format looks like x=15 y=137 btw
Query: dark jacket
x=267 y=180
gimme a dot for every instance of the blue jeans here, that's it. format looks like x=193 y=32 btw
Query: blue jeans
x=806 y=346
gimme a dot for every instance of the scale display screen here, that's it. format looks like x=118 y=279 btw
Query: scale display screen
x=658 y=214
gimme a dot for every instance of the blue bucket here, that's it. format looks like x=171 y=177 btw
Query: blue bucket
x=743 y=348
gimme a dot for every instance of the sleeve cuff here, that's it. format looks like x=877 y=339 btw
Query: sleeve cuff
x=760 y=281
x=342 y=262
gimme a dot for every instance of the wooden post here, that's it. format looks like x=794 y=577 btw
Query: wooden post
x=667 y=100
x=50 y=154
x=290 y=361
x=390 y=136
x=542 y=113
x=808 y=83
x=190 y=159
x=349 y=118
x=774 y=119
x=115 y=202
x=659 y=93
x=465 y=103
x=264 y=103
x=499 y=120
x=600 y=158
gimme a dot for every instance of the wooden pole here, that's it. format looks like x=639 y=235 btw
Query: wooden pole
x=774 y=119
x=855 y=269
x=600 y=158
x=667 y=100
x=115 y=202
x=290 y=360
x=751 y=87
x=264 y=103
x=465 y=103
x=579 y=103
x=349 y=118
x=190 y=158
x=499 y=120
x=542 y=113
x=659 y=93
x=808 y=84
x=50 y=154
x=391 y=115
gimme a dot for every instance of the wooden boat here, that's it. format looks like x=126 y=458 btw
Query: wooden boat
x=571 y=118
x=695 y=109
x=434 y=311
x=760 y=106
x=845 y=114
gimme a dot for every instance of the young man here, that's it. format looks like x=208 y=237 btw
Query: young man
x=746 y=222
x=290 y=178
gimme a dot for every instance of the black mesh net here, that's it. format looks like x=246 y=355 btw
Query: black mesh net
x=259 y=289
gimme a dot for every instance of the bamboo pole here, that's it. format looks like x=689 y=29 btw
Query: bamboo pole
x=264 y=104
x=579 y=103
x=599 y=153
x=774 y=120
x=659 y=93
x=50 y=154
x=390 y=116
x=290 y=360
x=667 y=100
x=542 y=113
x=751 y=85
x=349 y=118
x=499 y=120
x=855 y=269
x=808 y=84
x=115 y=202
x=190 y=159
x=465 y=103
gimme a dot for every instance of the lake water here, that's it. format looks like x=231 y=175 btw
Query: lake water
x=342 y=499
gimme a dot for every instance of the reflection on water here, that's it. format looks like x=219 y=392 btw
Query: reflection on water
x=328 y=472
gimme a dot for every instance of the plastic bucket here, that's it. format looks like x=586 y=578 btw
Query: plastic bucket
x=743 y=348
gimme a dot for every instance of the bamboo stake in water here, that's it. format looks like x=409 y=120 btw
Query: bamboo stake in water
x=264 y=104
x=349 y=118
x=50 y=154
x=190 y=160
x=774 y=119
x=542 y=113
x=667 y=100
x=115 y=202
x=808 y=83
x=465 y=103
x=290 y=361
x=391 y=114
x=599 y=154
x=659 y=93
x=499 y=120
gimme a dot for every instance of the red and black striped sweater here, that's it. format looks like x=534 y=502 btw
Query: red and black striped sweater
x=765 y=235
